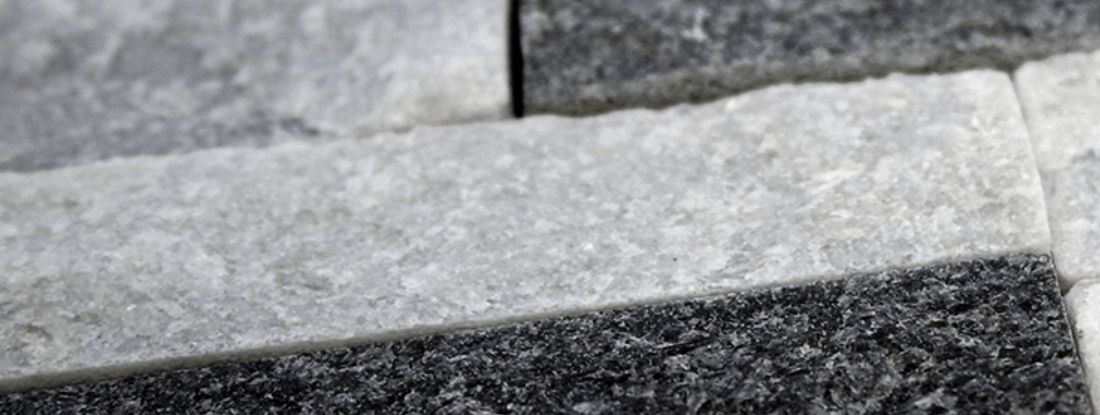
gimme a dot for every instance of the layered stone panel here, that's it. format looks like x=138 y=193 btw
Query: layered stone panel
x=984 y=336
x=153 y=261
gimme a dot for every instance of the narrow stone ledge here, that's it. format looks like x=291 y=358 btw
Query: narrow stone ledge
x=587 y=56
x=1061 y=100
x=230 y=250
x=83 y=81
x=984 y=336
x=1083 y=303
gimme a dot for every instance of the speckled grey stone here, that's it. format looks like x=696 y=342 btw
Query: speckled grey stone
x=235 y=250
x=977 y=337
x=1061 y=98
x=585 y=56
x=90 y=80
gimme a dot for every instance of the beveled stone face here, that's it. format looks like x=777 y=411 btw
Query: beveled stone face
x=1061 y=98
x=85 y=81
x=1083 y=305
x=588 y=56
x=986 y=336
x=242 y=249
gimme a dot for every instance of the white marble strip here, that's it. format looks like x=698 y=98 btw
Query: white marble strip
x=227 y=250
x=1083 y=307
x=91 y=80
x=1061 y=101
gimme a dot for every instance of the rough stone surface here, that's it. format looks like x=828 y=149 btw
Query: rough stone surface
x=975 y=337
x=1083 y=303
x=1061 y=99
x=90 y=80
x=237 y=249
x=585 y=56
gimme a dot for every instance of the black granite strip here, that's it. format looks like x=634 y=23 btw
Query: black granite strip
x=974 y=337
x=589 y=56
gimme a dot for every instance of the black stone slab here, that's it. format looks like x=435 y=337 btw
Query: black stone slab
x=975 y=337
x=588 y=56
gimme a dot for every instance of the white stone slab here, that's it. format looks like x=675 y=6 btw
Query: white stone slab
x=90 y=80
x=230 y=250
x=1061 y=101
x=1083 y=306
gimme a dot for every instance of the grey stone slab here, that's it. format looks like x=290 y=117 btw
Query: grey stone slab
x=587 y=56
x=237 y=250
x=1083 y=304
x=88 y=80
x=1061 y=100
x=986 y=337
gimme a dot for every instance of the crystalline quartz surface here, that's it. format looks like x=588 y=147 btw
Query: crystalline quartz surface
x=89 y=80
x=1083 y=305
x=229 y=250
x=1061 y=99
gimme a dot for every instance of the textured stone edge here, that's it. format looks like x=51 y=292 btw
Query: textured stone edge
x=1033 y=161
x=1052 y=169
x=1036 y=245
x=63 y=378
x=588 y=100
x=1042 y=264
x=1087 y=353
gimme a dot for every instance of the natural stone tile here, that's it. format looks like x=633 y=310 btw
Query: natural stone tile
x=227 y=250
x=974 y=337
x=1083 y=304
x=586 y=56
x=89 y=80
x=1061 y=100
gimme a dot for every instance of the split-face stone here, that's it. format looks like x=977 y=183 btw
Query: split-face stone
x=235 y=251
x=984 y=336
x=588 y=56
x=1061 y=98
x=83 y=81
x=1083 y=304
